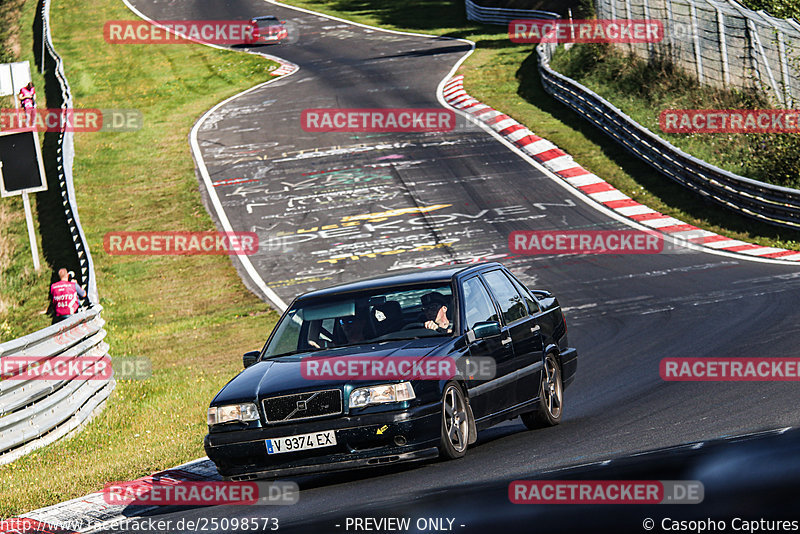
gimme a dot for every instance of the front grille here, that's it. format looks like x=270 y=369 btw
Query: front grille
x=301 y=406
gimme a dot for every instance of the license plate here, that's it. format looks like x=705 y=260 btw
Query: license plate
x=301 y=442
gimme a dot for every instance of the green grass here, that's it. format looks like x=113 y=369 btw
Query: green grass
x=191 y=316
x=23 y=291
x=777 y=8
x=145 y=180
x=9 y=14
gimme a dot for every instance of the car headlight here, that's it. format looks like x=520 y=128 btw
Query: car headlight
x=361 y=397
x=234 y=412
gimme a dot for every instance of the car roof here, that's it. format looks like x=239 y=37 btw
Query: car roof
x=408 y=277
x=265 y=17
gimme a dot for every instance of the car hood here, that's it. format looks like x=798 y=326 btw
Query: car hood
x=283 y=374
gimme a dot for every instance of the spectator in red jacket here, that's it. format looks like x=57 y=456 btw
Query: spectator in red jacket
x=64 y=296
x=27 y=99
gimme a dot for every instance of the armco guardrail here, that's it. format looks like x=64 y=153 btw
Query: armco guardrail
x=766 y=202
x=499 y=15
x=36 y=412
x=54 y=74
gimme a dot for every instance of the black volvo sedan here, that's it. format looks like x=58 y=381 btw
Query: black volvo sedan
x=277 y=418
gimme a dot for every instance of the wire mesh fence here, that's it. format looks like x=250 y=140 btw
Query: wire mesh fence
x=722 y=42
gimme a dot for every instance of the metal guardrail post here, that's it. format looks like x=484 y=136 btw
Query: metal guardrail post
x=698 y=56
x=784 y=60
x=670 y=30
x=754 y=31
x=628 y=16
x=723 y=48
x=650 y=45
x=787 y=96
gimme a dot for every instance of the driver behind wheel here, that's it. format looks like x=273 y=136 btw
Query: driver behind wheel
x=354 y=327
x=435 y=305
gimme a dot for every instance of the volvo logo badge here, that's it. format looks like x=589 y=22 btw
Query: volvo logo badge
x=301 y=406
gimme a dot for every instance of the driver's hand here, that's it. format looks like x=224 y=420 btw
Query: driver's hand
x=431 y=325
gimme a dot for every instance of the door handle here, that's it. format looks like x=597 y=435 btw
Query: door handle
x=506 y=341
x=535 y=328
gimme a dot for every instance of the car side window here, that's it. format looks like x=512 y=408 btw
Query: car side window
x=478 y=306
x=511 y=304
x=533 y=306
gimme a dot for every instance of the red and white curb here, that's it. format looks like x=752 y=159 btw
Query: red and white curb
x=597 y=189
x=92 y=512
x=285 y=67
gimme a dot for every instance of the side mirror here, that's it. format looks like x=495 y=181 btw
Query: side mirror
x=483 y=330
x=250 y=358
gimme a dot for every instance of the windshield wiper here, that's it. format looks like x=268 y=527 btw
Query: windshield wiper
x=299 y=351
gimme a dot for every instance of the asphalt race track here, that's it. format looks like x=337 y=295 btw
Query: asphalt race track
x=339 y=206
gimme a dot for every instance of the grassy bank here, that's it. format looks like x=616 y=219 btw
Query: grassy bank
x=509 y=81
x=642 y=90
x=23 y=291
x=191 y=316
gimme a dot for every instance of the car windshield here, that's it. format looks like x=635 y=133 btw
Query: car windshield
x=266 y=21
x=382 y=314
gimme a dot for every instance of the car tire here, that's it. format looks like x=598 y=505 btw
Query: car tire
x=551 y=397
x=456 y=423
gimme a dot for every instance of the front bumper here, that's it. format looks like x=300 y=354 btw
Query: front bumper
x=407 y=435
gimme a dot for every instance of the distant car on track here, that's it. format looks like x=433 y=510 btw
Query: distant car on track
x=272 y=420
x=267 y=29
